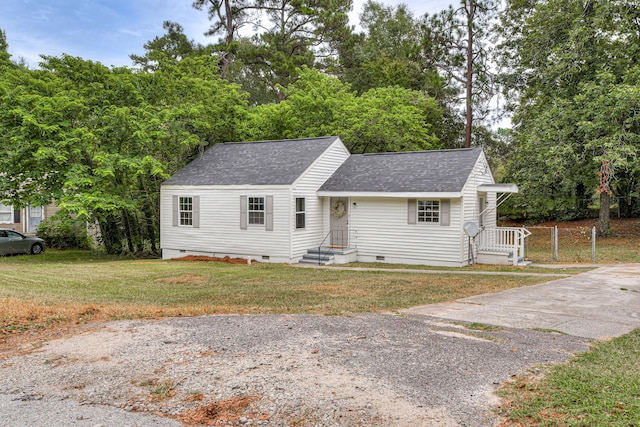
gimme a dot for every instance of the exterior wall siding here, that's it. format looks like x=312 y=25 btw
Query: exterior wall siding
x=307 y=186
x=379 y=228
x=21 y=225
x=219 y=232
x=479 y=175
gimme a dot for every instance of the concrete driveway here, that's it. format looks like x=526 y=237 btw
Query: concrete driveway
x=600 y=303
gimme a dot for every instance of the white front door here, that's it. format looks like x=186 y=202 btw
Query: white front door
x=339 y=222
x=35 y=216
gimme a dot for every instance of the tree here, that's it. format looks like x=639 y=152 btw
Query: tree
x=5 y=56
x=573 y=85
x=228 y=17
x=171 y=47
x=100 y=141
x=383 y=55
x=381 y=119
x=290 y=34
x=455 y=41
x=388 y=54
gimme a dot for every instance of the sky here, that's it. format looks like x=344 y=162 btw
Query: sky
x=108 y=31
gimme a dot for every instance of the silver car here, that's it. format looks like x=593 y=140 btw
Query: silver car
x=12 y=242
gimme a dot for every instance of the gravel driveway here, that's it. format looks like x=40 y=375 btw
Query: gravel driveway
x=273 y=370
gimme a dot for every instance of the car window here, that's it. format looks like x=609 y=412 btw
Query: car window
x=14 y=234
x=3 y=233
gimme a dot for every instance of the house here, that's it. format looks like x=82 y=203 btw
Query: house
x=25 y=220
x=311 y=200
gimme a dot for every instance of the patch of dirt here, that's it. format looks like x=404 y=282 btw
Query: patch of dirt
x=220 y=412
x=226 y=259
x=185 y=279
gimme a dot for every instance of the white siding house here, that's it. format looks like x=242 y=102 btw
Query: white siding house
x=240 y=200
x=310 y=200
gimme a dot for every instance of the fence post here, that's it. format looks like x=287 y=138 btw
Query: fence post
x=555 y=243
x=593 y=245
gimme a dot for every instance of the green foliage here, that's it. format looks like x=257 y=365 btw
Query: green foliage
x=100 y=141
x=382 y=119
x=293 y=34
x=171 y=47
x=5 y=57
x=64 y=232
x=391 y=119
x=574 y=87
x=384 y=55
x=456 y=42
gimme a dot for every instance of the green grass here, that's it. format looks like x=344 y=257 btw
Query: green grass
x=598 y=388
x=601 y=387
x=575 y=243
x=61 y=277
x=478 y=268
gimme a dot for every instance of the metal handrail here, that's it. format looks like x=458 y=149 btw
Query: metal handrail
x=325 y=239
x=320 y=246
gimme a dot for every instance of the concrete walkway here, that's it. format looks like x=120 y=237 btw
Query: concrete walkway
x=600 y=303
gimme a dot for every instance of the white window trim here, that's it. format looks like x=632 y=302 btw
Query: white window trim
x=264 y=211
x=10 y=212
x=304 y=212
x=439 y=211
x=180 y=211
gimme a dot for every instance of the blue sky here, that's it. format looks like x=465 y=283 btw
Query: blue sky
x=109 y=31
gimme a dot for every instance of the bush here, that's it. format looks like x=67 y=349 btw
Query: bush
x=63 y=232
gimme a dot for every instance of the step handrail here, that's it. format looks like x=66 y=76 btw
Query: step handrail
x=508 y=239
x=320 y=247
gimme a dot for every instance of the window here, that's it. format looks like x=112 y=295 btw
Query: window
x=186 y=211
x=6 y=214
x=256 y=210
x=429 y=211
x=300 y=212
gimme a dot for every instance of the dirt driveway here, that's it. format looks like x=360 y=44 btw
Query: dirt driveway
x=403 y=369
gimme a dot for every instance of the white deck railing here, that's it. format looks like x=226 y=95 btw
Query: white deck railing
x=508 y=240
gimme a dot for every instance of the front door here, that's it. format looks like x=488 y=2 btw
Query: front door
x=35 y=218
x=339 y=222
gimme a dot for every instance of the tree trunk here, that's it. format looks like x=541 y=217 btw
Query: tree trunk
x=469 y=82
x=227 y=57
x=604 y=223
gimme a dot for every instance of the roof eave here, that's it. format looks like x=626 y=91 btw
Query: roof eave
x=498 y=188
x=403 y=194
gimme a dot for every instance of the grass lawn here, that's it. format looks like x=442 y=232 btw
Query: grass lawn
x=62 y=288
x=598 y=388
x=575 y=242
x=72 y=286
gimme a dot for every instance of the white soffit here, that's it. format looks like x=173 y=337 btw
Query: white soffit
x=498 y=188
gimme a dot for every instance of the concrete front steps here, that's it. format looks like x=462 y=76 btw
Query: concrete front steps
x=499 y=258
x=325 y=255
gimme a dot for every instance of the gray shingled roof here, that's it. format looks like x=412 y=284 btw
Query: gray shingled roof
x=419 y=172
x=255 y=163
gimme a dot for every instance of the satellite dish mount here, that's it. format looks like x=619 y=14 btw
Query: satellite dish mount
x=471 y=230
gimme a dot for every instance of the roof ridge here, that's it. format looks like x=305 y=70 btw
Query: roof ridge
x=419 y=152
x=279 y=140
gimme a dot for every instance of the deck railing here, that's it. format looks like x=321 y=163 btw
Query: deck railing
x=503 y=240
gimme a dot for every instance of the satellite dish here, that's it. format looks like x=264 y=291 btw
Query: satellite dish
x=471 y=229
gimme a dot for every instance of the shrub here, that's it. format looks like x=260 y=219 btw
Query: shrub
x=63 y=232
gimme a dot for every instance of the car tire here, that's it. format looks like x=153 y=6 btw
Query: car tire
x=36 y=249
